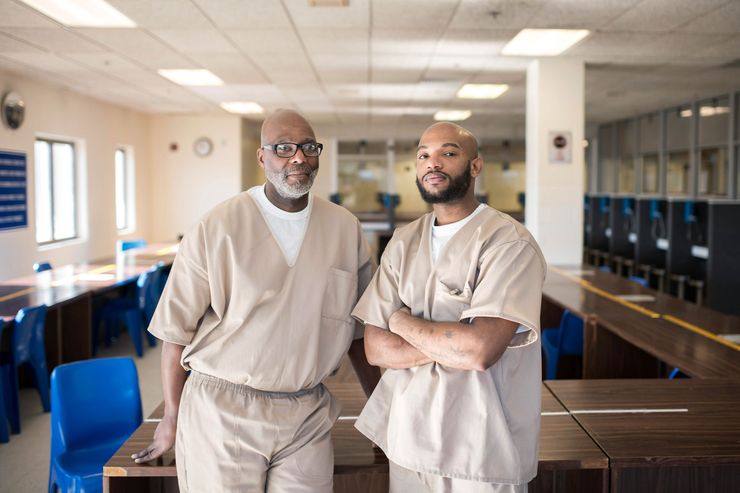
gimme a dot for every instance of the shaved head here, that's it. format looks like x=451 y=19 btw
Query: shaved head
x=276 y=126
x=454 y=134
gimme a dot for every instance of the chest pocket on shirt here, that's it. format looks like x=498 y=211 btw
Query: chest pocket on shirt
x=340 y=295
x=450 y=302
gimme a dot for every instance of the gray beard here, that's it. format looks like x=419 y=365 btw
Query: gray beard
x=279 y=180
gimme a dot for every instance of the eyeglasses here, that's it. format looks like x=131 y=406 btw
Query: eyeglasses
x=289 y=149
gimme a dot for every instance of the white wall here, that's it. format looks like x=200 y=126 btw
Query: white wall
x=99 y=127
x=183 y=185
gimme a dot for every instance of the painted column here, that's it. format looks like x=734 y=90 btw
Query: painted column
x=555 y=158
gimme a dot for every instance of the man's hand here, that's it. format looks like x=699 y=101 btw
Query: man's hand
x=397 y=318
x=164 y=439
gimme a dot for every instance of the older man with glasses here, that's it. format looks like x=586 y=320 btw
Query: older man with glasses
x=257 y=307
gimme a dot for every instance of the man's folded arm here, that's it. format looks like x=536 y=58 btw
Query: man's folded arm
x=472 y=346
x=388 y=350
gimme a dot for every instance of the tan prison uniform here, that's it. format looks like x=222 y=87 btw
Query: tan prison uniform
x=473 y=426
x=260 y=336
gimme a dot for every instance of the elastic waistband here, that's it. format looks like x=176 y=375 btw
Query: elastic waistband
x=222 y=384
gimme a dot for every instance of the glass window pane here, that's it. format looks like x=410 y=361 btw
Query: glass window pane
x=360 y=181
x=678 y=128
x=713 y=172
x=606 y=161
x=63 y=190
x=42 y=154
x=626 y=175
x=625 y=152
x=677 y=181
x=650 y=133
x=714 y=122
x=650 y=168
x=120 y=163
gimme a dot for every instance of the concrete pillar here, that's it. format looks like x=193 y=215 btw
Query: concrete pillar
x=554 y=193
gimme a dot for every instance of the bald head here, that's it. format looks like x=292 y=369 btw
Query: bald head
x=282 y=123
x=452 y=133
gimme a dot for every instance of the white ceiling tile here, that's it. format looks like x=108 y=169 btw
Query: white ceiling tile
x=162 y=13
x=322 y=62
x=579 y=14
x=110 y=62
x=337 y=41
x=241 y=14
x=640 y=46
x=404 y=41
x=353 y=15
x=232 y=69
x=725 y=19
x=45 y=61
x=190 y=41
x=56 y=39
x=476 y=14
x=422 y=14
x=260 y=93
x=267 y=41
x=139 y=46
x=344 y=76
x=396 y=76
x=473 y=42
x=399 y=61
x=662 y=15
x=9 y=44
x=21 y=15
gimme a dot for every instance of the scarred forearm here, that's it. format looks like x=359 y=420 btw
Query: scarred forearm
x=388 y=350
x=476 y=346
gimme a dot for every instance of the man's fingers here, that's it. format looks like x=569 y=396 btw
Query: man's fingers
x=146 y=455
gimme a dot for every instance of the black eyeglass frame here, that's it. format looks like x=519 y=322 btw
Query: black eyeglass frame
x=272 y=147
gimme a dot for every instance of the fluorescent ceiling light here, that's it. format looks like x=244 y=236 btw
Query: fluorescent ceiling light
x=188 y=77
x=243 y=107
x=706 y=111
x=482 y=91
x=81 y=13
x=543 y=42
x=452 y=115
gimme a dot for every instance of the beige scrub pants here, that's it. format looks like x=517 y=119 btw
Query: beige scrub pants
x=233 y=438
x=404 y=480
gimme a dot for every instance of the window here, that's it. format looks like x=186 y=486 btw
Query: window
x=56 y=191
x=124 y=190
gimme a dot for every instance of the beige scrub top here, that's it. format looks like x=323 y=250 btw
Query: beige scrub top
x=245 y=316
x=481 y=426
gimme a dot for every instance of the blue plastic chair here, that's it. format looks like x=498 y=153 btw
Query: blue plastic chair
x=27 y=346
x=41 y=266
x=561 y=341
x=135 y=313
x=123 y=245
x=639 y=280
x=95 y=407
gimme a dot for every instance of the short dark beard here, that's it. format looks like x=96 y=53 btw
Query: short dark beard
x=456 y=190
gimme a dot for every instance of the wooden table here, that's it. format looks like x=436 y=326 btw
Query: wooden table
x=689 y=442
x=624 y=338
x=569 y=459
x=68 y=292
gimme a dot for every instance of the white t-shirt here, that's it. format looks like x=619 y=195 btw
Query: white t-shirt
x=288 y=228
x=442 y=234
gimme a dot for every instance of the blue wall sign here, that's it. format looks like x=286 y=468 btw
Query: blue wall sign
x=13 y=188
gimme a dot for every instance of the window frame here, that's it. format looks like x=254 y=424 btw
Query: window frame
x=128 y=189
x=49 y=141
